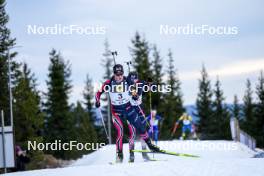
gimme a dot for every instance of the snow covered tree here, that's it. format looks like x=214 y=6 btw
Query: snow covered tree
x=59 y=124
x=204 y=105
x=259 y=125
x=173 y=103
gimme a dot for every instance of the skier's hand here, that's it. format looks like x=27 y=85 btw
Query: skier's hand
x=97 y=104
x=135 y=97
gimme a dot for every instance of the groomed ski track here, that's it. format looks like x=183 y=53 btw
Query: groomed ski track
x=217 y=158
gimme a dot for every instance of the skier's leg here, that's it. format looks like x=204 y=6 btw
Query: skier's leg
x=156 y=135
x=184 y=128
x=144 y=147
x=134 y=119
x=141 y=114
x=150 y=132
x=143 y=144
x=119 y=138
x=132 y=136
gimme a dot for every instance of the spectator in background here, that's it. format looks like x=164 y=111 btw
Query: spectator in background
x=21 y=159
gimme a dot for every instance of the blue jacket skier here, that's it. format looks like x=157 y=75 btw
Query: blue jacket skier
x=153 y=120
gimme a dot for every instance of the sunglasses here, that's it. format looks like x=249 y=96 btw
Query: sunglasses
x=119 y=74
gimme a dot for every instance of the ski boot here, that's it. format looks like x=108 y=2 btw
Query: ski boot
x=145 y=155
x=151 y=146
x=131 y=157
x=119 y=157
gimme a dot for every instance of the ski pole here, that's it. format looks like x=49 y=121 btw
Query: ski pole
x=174 y=129
x=114 y=53
x=101 y=116
x=128 y=65
x=150 y=109
x=145 y=119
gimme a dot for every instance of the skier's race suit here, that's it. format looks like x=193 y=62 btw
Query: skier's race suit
x=121 y=108
x=186 y=124
x=153 y=120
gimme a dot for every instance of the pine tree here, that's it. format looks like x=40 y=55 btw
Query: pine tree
x=236 y=109
x=107 y=63
x=88 y=96
x=6 y=43
x=140 y=57
x=259 y=123
x=219 y=125
x=85 y=132
x=142 y=65
x=28 y=118
x=248 y=110
x=173 y=104
x=59 y=122
x=204 y=105
x=157 y=78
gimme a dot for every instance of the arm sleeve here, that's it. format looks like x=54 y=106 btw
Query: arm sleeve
x=159 y=117
x=148 y=117
x=101 y=91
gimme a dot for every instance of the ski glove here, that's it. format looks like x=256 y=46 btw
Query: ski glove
x=97 y=104
x=135 y=97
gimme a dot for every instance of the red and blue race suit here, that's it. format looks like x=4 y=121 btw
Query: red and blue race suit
x=121 y=108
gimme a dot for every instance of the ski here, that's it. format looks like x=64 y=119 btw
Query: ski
x=167 y=153
x=113 y=163
x=153 y=159
x=148 y=160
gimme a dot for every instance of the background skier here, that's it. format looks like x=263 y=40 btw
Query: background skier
x=153 y=120
x=187 y=124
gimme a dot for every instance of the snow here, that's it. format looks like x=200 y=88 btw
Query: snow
x=217 y=158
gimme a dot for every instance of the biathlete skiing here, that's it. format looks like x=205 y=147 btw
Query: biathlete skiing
x=153 y=120
x=118 y=89
x=187 y=126
x=137 y=104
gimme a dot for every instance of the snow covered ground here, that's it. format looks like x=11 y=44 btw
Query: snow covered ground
x=217 y=158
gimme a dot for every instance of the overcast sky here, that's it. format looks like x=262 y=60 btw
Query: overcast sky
x=233 y=57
